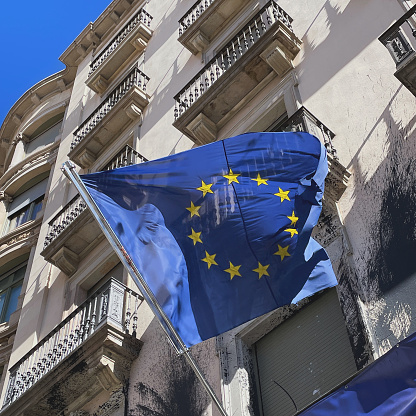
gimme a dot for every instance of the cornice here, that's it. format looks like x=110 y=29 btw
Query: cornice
x=24 y=234
x=42 y=91
x=97 y=32
x=44 y=155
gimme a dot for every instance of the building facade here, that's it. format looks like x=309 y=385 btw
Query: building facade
x=151 y=78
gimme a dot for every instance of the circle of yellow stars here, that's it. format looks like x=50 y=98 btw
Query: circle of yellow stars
x=234 y=270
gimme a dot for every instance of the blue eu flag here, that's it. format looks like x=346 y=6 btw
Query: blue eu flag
x=221 y=233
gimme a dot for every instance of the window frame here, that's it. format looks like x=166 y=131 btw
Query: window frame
x=28 y=209
x=7 y=284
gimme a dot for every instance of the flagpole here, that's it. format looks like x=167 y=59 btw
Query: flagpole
x=176 y=341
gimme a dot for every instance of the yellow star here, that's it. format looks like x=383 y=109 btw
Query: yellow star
x=260 y=181
x=194 y=209
x=233 y=270
x=195 y=237
x=209 y=259
x=293 y=219
x=262 y=270
x=232 y=177
x=282 y=252
x=283 y=195
x=205 y=188
x=292 y=231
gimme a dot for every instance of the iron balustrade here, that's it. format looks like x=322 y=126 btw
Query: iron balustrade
x=126 y=157
x=64 y=218
x=395 y=40
x=261 y=23
x=193 y=14
x=303 y=120
x=67 y=215
x=112 y=304
x=141 y=17
x=135 y=78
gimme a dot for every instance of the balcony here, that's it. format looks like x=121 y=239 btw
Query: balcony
x=204 y=20
x=73 y=232
x=132 y=38
x=263 y=49
x=337 y=179
x=121 y=108
x=25 y=236
x=400 y=41
x=89 y=352
x=126 y=157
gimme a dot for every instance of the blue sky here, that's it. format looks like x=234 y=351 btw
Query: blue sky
x=33 y=34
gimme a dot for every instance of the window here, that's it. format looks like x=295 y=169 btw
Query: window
x=10 y=287
x=44 y=135
x=304 y=357
x=26 y=214
x=26 y=203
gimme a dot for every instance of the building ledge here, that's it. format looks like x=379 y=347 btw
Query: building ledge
x=402 y=50
x=263 y=49
x=200 y=24
x=124 y=106
x=89 y=353
x=109 y=63
x=101 y=364
x=31 y=166
x=72 y=234
x=25 y=235
x=406 y=73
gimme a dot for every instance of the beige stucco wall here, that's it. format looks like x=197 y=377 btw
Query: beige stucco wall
x=343 y=76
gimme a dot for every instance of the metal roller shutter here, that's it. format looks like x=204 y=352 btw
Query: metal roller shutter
x=307 y=355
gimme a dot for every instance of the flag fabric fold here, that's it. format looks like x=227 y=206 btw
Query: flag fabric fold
x=221 y=233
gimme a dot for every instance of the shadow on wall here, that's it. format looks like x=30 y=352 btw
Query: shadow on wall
x=345 y=42
x=388 y=257
x=175 y=389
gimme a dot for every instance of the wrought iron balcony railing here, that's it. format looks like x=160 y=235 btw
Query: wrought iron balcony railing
x=126 y=157
x=230 y=55
x=135 y=78
x=394 y=38
x=64 y=218
x=112 y=304
x=303 y=120
x=68 y=214
x=400 y=41
x=141 y=17
x=193 y=14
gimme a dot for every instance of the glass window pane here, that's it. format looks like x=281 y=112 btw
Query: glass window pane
x=19 y=274
x=36 y=208
x=12 y=305
x=23 y=217
x=19 y=218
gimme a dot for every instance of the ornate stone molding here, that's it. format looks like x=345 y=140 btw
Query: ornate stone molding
x=337 y=179
x=277 y=59
x=45 y=155
x=26 y=234
x=203 y=129
x=5 y=197
x=66 y=260
x=20 y=137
